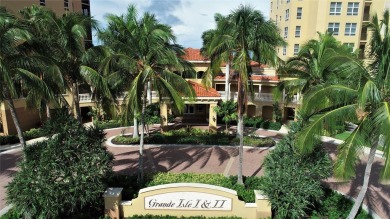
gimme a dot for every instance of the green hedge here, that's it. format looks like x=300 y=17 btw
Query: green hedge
x=174 y=217
x=28 y=135
x=258 y=122
x=196 y=137
x=108 y=124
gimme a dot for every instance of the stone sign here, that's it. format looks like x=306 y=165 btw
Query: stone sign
x=188 y=201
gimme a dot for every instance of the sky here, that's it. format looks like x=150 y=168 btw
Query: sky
x=188 y=18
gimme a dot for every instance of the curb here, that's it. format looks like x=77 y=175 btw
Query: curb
x=5 y=210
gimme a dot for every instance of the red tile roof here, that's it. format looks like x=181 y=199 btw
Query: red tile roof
x=193 y=55
x=202 y=91
x=253 y=77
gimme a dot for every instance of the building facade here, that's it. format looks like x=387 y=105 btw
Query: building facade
x=31 y=118
x=300 y=20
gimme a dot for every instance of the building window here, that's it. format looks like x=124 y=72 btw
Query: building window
x=284 y=50
x=288 y=1
x=353 y=8
x=285 y=32
x=296 y=49
x=287 y=14
x=66 y=4
x=280 y=18
x=298 y=31
x=299 y=13
x=42 y=2
x=350 y=29
x=335 y=8
x=334 y=28
x=350 y=46
x=189 y=109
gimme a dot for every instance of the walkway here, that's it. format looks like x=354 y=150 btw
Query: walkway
x=215 y=159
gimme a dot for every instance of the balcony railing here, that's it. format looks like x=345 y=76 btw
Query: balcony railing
x=85 y=98
x=264 y=97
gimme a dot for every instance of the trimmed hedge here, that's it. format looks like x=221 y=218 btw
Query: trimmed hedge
x=197 y=137
x=107 y=124
x=258 y=122
x=174 y=217
x=28 y=135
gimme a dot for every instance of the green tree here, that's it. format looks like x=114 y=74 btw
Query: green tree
x=312 y=65
x=293 y=198
x=228 y=111
x=17 y=64
x=245 y=35
x=39 y=19
x=366 y=103
x=150 y=49
x=63 y=174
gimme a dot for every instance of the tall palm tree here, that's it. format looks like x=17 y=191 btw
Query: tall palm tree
x=69 y=32
x=366 y=103
x=242 y=36
x=311 y=66
x=40 y=22
x=149 y=46
x=17 y=61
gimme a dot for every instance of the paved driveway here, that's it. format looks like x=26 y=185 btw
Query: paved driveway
x=215 y=160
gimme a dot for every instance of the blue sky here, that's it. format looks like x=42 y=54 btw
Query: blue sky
x=188 y=18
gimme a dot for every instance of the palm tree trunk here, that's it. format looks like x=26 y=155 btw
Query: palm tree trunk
x=15 y=118
x=141 y=144
x=227 y=93
x=76 y=101
x=135 y=126
x=240 y=129
x=48 y=114
x=363 y=190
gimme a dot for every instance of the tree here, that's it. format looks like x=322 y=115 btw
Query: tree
x=292 y=198
x=39 y=19
x=150 y=49
x=311 y=66
x=228 y=111
x=366 y=104
x=17 y=63
x=245 y=35
x=63 y=174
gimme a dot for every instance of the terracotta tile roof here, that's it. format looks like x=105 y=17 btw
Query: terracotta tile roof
x=193 y=55
x=253 y=77
x=201 y=90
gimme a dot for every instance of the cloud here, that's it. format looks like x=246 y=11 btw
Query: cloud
x=163 y=10
x=188 y=18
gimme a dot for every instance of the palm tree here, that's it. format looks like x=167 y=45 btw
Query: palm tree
x=68 y=34
x=149 y=47
x=311 y=66
x=17 y=61
x=242 y=36
x=40 y=22
x=366 y=103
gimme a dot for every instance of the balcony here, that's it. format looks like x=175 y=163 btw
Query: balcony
x=263 y=97
x=85 y=98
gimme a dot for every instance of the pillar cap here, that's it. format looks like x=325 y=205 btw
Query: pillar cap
x=260 y=195
x=113 y=192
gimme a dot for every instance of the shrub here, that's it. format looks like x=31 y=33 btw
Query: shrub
x=9 y=139
x=33 y=133
x=292 y=181
x=174 y=217
x=107 y=124
x=125 y=140
x=61 y=175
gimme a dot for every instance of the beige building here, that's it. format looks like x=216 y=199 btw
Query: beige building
x=30 y=118
x=300 y=20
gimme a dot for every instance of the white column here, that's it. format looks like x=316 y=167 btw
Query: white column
x=149 y=93
x=227 y=87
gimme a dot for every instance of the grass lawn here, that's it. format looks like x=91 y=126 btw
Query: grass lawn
x=343 y=136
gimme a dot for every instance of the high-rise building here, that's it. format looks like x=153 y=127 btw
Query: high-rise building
x=60 y=7
x=300 y=20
